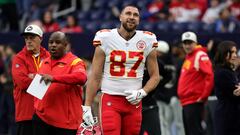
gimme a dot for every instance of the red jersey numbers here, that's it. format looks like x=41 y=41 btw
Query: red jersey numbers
x=117 y=59
x=118 y=63
x=132 y=55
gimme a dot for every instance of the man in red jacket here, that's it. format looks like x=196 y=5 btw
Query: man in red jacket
x=24 y=67
x=195 y=83
x=60 y=112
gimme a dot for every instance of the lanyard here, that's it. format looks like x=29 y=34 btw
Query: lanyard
x=36 y=61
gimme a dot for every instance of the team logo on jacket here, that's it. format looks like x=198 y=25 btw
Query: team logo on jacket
x=141 y=45
x=17 y=65
x=186 y=64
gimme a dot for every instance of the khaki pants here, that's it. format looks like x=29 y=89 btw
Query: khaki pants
x=169 y=114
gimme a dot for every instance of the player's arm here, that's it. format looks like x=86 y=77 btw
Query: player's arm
x=153 y=71
x=93 y=84
x=94 y=81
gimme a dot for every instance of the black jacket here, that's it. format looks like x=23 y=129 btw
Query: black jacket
x=227 y=112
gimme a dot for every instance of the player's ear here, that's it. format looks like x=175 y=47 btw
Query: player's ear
x=120 y=17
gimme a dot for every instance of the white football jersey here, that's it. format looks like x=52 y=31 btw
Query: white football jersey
x=125 y=60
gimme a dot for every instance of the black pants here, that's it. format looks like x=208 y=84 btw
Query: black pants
x=25 y=127
x=42 y=128
x=150 y=121
x=192 y=118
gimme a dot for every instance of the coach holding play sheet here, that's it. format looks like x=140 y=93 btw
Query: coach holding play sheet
x=24 y=67
x=59 y=112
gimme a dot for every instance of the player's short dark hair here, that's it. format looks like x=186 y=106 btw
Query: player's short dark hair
x=130 y=5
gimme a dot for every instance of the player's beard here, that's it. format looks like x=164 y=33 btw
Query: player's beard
x=129 y=29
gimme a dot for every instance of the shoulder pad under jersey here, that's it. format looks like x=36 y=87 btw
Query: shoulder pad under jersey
x=149 y=34
x=104 y=32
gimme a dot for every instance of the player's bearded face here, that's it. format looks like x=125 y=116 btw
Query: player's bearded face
x=129 y=25
x=130 y=18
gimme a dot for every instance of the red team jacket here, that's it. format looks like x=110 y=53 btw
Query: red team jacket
x=61 y=105
x=196 y=79
x=22 y=65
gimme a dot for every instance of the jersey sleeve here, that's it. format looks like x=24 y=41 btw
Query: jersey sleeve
x=152 y=41
x=99 y=38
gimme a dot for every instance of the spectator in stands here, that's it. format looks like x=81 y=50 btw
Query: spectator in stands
x=195 y=83
x=227 y=118
x=23 y=7
x=174 y=8
x=8 y=112
x=196 y=4
x=212 y=13
x=226 y=23
x=40 y=6
x=48 y=23
x=24 y=67
x=235 y=9
x=182 y=12
x=72 y=25
x=158 y=10
x=59 y=112
x=86 y=5
x=9 y=11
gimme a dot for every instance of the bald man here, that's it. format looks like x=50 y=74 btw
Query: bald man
x=59 y=112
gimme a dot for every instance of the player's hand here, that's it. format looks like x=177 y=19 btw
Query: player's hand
x=236 y=92
x=46 y=78
x=87 y=115
x=135 y=96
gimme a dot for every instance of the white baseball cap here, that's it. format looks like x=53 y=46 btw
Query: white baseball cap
x=33 y=29
x=189 y=36
x=162 y=46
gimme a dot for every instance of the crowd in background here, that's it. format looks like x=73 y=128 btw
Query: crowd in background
x=90 y=15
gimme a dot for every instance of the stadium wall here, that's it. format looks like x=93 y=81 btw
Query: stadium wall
x=82 y=43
